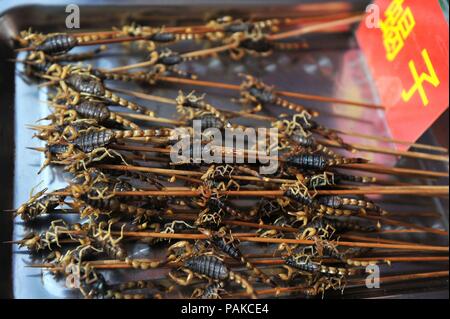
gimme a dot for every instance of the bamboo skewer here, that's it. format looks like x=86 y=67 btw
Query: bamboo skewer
x=316 y=27
x=309 y=97
x=298 y=95
x=251 y=237
x=383 y=150
x=367 y=148
x=114 y=264
x=235 y=44
x=383 y=279
x=376 y=168
x=395 y=141
x=405 y=224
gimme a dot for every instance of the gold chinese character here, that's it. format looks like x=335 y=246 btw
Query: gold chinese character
x=418 y=80
x=396 y=27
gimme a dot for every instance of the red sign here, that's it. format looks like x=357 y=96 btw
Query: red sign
x=407 y=53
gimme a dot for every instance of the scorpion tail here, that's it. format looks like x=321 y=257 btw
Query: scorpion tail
x=364 y=205
x=266 y=279
x=328 y=152
x=331 y=211
x=121 y=120
x=125 y=103
x=342 y=161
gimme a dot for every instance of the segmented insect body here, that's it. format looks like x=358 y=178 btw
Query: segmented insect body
x=262 y=94
x=100 y=113
x=338 y=226
x=238 y=26
x=169 y=58
x=163 y=37
x=332 y=201
x=320 y=162
x=214 y=268
x=105 y=204
x=90 y=141
x=210 y=266
x=353 y=178
x=87 y=84
x=92 y=110
x=304 y=199
x=228 y=248
x=122 y=186
x=233 y=251
x=304 y=263
x=57 y=148
x=310 y=142
x=57 y=44
x=305 y=141
x=218 y=206
x=40 y=206
x=114 y=251
x=209 y=121
x=212 y=291
x=351 y=203
x=308 y=161
x=308 y=124
x=259 y=46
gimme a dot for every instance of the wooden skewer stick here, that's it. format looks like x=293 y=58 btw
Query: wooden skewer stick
x=165 y=100
x=383 y=150
x=107 y=34
x=383 y=279
x=414 y=189
x=298 y=95
x=395 y=141
x=151 y=118
x=300 y=31
x=316 y=27
x=376 y=168
x=181 y=30
x=251 y=237
x=405 y=277
x=345 y=243
x=210 y=51
x=397 y=190
x=324 y=99
x=234 y=44
x=114 y=264
x=409 y=225
x=310 y=97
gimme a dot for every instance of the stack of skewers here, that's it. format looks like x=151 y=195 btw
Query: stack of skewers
x=310 y=225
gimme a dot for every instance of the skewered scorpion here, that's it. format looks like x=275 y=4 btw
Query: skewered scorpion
x=254 y=91
x=77 y=81
x=227 y=245
x=204 y=266
x=39 y=204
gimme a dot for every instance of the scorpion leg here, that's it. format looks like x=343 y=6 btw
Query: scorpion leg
x=180 y=281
